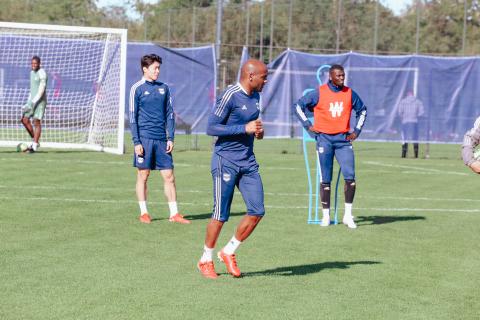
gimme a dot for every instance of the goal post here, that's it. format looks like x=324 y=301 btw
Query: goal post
x=86 y=69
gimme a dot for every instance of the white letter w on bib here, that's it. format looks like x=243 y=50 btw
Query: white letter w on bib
x=336 y=108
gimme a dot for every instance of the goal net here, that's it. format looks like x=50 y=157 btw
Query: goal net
x=85 y=89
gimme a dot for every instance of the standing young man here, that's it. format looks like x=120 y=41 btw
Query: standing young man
x=234 y=120
x=152 y=123
x=332 y=104
x=409 y=110
x=36 y=104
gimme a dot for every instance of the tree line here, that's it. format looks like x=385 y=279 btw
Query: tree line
x=268 y=27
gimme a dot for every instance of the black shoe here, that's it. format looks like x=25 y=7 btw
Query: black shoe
x=30 y=150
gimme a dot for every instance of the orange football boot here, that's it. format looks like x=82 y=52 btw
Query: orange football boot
x=179 y=219
x=207 y=269
x=145 y=218
x=230 y=262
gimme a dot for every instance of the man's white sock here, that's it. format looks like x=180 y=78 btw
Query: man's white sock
x=173 y=208
x=326 y=213
x=348 y=209
x=34 y=146
x=207 y=254
x=143 y=207
x=231 y=246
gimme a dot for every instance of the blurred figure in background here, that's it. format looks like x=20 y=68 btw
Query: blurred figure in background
x=409 y=110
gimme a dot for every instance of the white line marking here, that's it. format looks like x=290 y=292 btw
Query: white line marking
x=209 y=192
x=209 y=204
x=127 y=163
x=429 y=170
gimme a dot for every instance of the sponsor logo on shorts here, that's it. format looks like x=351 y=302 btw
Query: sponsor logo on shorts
x=320 y=149
x=258 y=105
x=140 y=160
x=244 y=107
x=161 y=90
x=226 y=177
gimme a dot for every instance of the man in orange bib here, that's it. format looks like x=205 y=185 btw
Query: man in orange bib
x=332 y=105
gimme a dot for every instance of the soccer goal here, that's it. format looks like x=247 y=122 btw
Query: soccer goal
x=85 y=89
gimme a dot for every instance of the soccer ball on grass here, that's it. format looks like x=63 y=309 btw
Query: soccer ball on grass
x=22 y=147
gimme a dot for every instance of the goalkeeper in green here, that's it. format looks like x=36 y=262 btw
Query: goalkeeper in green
x=36 y=104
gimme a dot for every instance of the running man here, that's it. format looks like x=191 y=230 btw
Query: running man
x=36 y=104
x=332 y=105
x=471 y=140
x=235 y=122
x=152 y=123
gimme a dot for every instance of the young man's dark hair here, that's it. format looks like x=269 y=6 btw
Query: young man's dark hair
x=36 y=58
x=149 y=59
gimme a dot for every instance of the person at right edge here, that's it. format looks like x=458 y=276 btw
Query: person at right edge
x=332 y=105
x=470 y=141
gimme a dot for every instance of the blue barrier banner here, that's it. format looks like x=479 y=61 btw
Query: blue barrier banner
x=434 y=96
x=191 y=75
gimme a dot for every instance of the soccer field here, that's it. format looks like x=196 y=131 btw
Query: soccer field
x=71 y=245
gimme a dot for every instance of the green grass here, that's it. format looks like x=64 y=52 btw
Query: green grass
x=71 y=246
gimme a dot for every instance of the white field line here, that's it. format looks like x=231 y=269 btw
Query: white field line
x=262 y=167
x=210 y=204
x=129 y=163
x=292 y=194
x=420 y=169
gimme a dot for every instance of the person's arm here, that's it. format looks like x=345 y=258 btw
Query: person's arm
x=306 y=102
x=470 y=141
x=219 y=116
x=361 y=115
x=170 y=117
x=134 y=105
x=41 y=88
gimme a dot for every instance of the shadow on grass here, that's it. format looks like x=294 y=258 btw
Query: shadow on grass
x=200 y=216
x=306 y=269
x=204 y=216
x=368 y=220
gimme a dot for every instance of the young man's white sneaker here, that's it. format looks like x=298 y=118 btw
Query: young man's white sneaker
x=348 y=220
x=325 y=221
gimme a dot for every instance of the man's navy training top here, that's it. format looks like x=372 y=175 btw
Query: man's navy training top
x=151 y=111
x=232 y=111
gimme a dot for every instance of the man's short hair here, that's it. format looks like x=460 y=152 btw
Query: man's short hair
x=36 y=58
x=336 y=67
x=149 y=59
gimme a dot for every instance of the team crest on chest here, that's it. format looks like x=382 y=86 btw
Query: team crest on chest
x=244 y=107
x=146 y=93
x=161 y=90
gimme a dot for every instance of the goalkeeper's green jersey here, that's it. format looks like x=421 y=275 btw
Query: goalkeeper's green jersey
x=38 y=80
